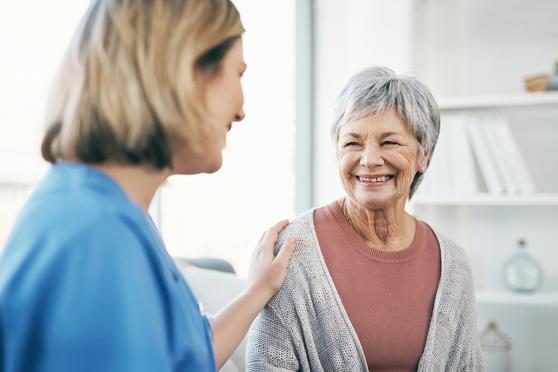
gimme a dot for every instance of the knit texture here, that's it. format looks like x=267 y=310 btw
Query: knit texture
x=305 y=327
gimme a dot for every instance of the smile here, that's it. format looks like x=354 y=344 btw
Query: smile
x=367 y=180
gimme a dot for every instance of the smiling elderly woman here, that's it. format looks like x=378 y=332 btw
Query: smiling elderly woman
x=370 y=287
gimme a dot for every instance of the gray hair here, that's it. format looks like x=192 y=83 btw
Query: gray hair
x=376 y=90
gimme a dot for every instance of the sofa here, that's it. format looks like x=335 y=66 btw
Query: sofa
x=215 y=284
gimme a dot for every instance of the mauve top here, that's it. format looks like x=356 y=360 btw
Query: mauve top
x=388 y=296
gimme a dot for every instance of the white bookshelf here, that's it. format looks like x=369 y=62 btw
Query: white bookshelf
x=488 y=224
x=496 y=101
x=485 y=199
x=502 y=297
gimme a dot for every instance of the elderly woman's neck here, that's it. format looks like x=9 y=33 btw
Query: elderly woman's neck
x=139 y=182
x=389 y=228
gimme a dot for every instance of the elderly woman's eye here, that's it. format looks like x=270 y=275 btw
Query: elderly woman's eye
x=389 y=143
x=350 y=144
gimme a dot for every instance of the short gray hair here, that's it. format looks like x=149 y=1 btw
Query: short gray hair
x=376 y=90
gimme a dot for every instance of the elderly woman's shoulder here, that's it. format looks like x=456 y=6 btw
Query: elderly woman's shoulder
x=451 y=249
x=304 y=263
x=454 y=257
x=300 y=227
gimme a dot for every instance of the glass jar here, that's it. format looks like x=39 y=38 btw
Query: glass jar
x=496 y=349
x=521 y=272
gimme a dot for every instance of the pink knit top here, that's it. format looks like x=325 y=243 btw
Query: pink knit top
x=388 y=296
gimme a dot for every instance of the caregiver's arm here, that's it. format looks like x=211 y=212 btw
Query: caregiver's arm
x=266 y=276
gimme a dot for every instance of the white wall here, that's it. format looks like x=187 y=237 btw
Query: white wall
x=484 y=46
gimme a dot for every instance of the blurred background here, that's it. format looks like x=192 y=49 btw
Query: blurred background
x=492 y=64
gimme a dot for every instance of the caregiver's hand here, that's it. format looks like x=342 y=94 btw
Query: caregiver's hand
x=268 y=272
x=266 y=275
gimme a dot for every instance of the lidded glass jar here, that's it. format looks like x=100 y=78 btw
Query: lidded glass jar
x=521 y=272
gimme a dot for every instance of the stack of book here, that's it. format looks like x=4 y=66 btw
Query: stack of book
x=476 y=155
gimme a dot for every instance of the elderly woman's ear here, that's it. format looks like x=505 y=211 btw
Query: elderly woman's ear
x=423 y=161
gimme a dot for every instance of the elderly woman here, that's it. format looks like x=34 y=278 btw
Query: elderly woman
x=147 y=89
x=370 y=287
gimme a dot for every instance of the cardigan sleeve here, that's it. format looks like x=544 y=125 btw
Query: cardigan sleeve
x=270 y=347
x=464 y=353
x=471 y=359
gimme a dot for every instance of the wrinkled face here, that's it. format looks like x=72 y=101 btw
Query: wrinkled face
x=378 y=157
x=224 y=100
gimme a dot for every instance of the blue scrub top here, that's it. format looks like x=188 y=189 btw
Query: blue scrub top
x=86 y=284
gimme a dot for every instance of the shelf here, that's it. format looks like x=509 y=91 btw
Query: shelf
x=496 y=297
x=497 y=101
x=543 y=200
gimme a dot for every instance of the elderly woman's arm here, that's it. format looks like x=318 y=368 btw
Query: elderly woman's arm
x=468 y=340
x=472 y=355
x=270 y=347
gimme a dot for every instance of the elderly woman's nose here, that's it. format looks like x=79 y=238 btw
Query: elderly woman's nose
x=371 y=157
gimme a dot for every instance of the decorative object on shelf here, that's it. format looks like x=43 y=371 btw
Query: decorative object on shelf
x=553 y=79
x=522 y=273
x=542 y=82
x=536 y=83
x=496 y=349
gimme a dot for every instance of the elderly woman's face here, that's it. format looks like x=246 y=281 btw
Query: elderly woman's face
x=378 y=159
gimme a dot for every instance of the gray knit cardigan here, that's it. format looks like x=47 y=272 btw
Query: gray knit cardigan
x=305 y=327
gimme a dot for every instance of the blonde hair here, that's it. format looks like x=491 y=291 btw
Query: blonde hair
x=125 y=92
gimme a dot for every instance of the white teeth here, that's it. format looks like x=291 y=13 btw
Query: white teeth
x=376 y=179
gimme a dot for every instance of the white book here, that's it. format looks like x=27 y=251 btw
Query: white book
x=462 y=166
x=485 y=161
x=496 y=148
x=515 y=161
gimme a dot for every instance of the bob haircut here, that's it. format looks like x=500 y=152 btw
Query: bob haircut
x=125 y=92
x=376 y=90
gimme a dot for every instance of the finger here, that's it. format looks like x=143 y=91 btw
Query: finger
x=286 y=251
x=273 y=232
